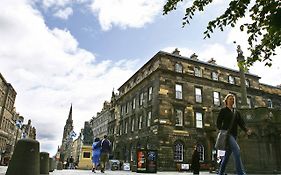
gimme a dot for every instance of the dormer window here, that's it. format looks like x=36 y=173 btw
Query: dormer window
x=269 y=103
x=215 y=76
x=178 y=67
x=231 y=79
x=197 y=72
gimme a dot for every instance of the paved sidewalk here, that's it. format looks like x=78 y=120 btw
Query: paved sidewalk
x=3 y=170
x=88 y=172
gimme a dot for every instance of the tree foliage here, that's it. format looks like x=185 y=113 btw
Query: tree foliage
x=264 y=30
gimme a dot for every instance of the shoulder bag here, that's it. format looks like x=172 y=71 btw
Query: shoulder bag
x=221 y=141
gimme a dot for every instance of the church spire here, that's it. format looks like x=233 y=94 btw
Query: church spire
x=68 y=127
x=69 y=119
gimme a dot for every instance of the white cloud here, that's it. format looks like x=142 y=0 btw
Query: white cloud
x=49 y=71
x=61 y=3
x=50 y=3
x=126 y=13
x=220 y=53
x=64 y=13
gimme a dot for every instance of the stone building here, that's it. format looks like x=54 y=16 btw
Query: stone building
x=11 y=122
x=76 y=148
x=99 y=123
x=172 y=102
x=7 y=122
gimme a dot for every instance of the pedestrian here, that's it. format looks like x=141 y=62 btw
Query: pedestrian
x=95 y=154
x=195 y=164
x=71 y=163
x=224 y=121
x=105 y=146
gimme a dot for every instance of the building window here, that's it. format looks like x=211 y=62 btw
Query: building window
x=141 y=99
x=126 y=127
x=123 y=108
x=249 y=102
x=231 y=79
x=178 y=91
x=215 y=76
x=179 y=117
x=178 y=68
x=197 y=72
x=148 y=118
x=120 y=129
x=150 y=93
x=140 y=122
x=133 y=125
x=269 y=103
x=134 y=103
x=127 y=107
x=178 y=154
x=199 y=120
x=198 y=95
x=86 y=154
x=200 y=149
x=216 y=98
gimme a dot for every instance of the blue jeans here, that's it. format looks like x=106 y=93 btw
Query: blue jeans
x=233 y=147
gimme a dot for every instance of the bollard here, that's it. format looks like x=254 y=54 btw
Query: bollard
x=44 y=163
x=59 y=165
x=25 y=159
x=51 y=164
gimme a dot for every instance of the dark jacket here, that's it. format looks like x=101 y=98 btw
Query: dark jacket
x=195 y=164
x=224 y=121
x=105 y=146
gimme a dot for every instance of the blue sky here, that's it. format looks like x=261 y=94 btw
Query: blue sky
x=58 y=52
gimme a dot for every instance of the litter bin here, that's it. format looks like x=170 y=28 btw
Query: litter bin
x=126 y=166
x=146 y=161
x=114 y=164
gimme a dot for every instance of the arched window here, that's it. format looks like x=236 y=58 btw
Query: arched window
x=200 y=149
x=178 y=67
x=178 y=152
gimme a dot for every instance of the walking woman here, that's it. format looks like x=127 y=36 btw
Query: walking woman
x=223 y=123
x=95 y=155
x=195 y=164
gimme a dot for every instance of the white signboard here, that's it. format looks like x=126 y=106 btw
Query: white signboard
x=185 y=166
x=126 y=166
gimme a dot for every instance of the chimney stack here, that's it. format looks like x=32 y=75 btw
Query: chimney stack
x=176 y=52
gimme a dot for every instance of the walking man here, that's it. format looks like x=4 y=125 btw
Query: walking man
x=105 y=150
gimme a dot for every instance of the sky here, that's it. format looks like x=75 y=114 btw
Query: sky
x=61 y=52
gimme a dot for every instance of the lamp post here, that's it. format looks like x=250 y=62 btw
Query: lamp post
x=240 y=62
